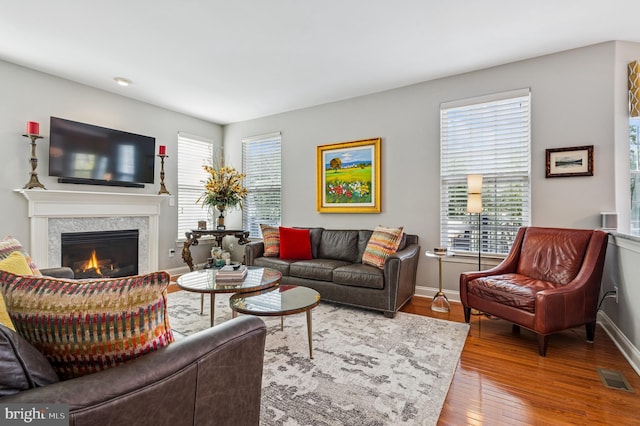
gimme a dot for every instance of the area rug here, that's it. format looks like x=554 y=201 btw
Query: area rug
x=366 y=370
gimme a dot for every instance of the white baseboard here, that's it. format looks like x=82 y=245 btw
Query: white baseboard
x=630 y=352
x=423 y=291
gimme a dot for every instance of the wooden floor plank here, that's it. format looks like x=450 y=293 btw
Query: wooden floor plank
x=501 y=379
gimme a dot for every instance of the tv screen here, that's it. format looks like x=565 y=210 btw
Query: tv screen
x=84 y=153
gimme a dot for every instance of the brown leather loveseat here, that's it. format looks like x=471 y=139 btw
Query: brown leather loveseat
x=549 y=282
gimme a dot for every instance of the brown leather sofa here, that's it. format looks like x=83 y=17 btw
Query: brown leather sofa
x=211 y=377
x=549 y=282
x=338 y=274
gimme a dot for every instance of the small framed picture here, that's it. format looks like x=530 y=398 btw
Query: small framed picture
x=573 y=161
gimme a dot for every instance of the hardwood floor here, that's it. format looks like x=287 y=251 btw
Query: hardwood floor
x=501 y=380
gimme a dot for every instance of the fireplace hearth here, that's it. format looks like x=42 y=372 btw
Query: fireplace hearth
x=101 y=254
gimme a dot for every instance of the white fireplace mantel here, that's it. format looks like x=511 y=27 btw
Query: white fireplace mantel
x=49 y=204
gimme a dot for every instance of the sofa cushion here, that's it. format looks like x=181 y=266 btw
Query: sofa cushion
x=23 y=366
x=315 y=269
x=316 y=235
x=339 y=245
x=295 y=244
x=9 y=244
x=17 y=264
x=281 y=265
x=515 y=290
x=271 y=239
x=359 y=275
x=86 y=326
x=383 y=243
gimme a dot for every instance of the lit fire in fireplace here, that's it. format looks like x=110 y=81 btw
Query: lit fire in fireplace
x=100 y=254
x=92 y=263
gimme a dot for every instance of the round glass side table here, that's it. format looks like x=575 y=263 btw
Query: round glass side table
x=440 y=303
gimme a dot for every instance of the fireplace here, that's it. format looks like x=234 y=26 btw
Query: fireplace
x=101 y=254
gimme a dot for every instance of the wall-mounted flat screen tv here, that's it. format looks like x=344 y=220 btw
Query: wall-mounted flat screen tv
x=84 y=153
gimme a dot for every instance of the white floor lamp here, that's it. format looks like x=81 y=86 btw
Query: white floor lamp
x=474 y=205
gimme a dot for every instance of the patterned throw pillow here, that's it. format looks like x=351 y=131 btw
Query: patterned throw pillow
x=16 y=264
x=383 y=243
x=86 y=326
x=9 y=244
x=271 y=238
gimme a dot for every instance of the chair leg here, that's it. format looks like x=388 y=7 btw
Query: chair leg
x=467 y=314
x=543 y=339
x=515 y=329
x=591 y=331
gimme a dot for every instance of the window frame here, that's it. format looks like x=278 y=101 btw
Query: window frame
x=496 y=132
x=189 y=193
x=272 y=191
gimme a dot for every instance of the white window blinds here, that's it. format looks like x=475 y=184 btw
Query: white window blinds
x=489 y=136
x=261 y=162
x=193 y=153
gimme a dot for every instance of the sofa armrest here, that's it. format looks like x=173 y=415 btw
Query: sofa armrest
x=252 y=251
x=200 y=378
x=400 y=271
x=60 y=272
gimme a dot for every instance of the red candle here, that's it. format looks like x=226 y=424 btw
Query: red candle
x=162 y=150
x=33 y=128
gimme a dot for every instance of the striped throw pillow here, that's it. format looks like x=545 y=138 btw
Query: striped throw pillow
x=271 y=238
x=383 y=243
x=87 y=326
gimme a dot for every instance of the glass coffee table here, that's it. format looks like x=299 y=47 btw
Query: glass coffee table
x=204 y=281
x=280 y=301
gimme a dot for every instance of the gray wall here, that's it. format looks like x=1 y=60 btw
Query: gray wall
x=572 y=99
x=28 y=95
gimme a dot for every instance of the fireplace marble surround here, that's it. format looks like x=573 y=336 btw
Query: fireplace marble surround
x=53 y=212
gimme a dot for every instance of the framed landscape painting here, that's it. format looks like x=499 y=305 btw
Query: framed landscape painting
x=348 y=177
x=574 y=161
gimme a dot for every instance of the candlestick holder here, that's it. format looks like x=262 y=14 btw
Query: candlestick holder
x=33 y=181
x=163 y=189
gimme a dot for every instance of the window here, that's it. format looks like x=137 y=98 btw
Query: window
x=261 y=162
x=193 y=153
x=634 y=149
x=489 y=136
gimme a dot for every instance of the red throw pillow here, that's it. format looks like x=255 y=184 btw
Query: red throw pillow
x=295 y=244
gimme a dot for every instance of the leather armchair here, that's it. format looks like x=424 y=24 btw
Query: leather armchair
x=211 y=377
x=549 y=282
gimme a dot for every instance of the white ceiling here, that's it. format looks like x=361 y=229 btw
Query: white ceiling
x=233 y=60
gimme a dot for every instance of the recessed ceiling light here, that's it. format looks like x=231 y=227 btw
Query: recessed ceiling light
x=122 y=81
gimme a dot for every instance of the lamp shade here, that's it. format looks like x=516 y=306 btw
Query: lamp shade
x=634 y=89
x=474 y=203
x=474 y=184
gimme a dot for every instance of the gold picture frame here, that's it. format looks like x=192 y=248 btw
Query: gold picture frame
x=348 y=177
x=572 y=161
